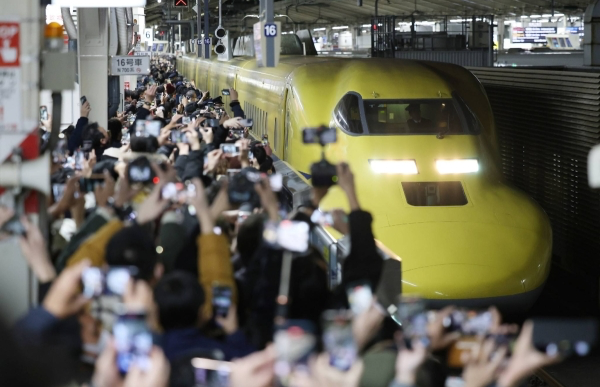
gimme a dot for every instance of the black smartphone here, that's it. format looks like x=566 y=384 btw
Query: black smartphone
x=13 y=226
x=221 y=300
x=322 y=135
x=133 y=341
x=564 y=336
x=212 y=123
x=140 y=171
x=225 y=92
x=295 y=342
x=178 y=136
x=83 y=100
x=89 y=185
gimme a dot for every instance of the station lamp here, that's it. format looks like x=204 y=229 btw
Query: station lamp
x=180 y=3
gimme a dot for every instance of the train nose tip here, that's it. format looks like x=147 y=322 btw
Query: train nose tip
x=461 y=281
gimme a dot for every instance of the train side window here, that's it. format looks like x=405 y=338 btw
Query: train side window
x=473 y=124
x=347 y=114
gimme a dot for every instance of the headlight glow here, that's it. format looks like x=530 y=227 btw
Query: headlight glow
x=405 y=167
x=445 y=167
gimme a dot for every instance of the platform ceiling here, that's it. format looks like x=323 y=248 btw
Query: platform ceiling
x=347 y=11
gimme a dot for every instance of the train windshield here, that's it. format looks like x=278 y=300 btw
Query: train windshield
x=423 y=116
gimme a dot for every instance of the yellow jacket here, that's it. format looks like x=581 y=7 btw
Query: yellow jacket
x=214 y=264
x=94 y=247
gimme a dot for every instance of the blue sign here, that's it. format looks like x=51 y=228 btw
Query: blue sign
x=199 y=42
x=270 y=30
x=207 y=41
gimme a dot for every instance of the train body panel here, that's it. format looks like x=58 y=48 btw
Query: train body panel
x=488 y=241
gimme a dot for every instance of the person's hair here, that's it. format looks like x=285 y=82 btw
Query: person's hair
x=93 y=134
x=259 y=154
x=249 y=237
x=309 y=292
x=267 y=165
x=133 y=246
x=115 y=128
x=179 y=298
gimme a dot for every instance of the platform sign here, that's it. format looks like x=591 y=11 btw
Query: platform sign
x=10 y=79
x=207 y=48
x=267 y=43
x=531 y=34
x=142 y=53
x=148 y=34
x=129 y=65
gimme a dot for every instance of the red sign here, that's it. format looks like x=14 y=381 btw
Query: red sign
x=126 y=85
x=9 y=44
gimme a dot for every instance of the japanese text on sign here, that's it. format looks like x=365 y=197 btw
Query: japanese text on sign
x=128 y=65
x=531 y=34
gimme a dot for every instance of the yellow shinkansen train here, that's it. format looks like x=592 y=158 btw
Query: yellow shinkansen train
x=420 y=139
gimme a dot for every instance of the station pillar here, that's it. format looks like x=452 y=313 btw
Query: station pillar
x=591 y=37
x=92 y=57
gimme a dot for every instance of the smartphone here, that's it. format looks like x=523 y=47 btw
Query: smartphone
x=293 y=235
x=247 y=122
x=78 y=158
x=177 y=136
x=147 y=128
x=178 y=192
x=360 y=296
x=111 y=281
x=411 y=314
x=225 y=92
x=58 y=190
x=140 y=171
x=174 y=111
x=13 y=226
x=186 y=120
x=209 y=372
x=221 y=300
x=43 y=114
x=133 y=342
x=230 y=149
x=89 y=185
x=212 y=123
x=565 y=337
x=322 y=135
x=83 y=100
x=295 y=342
x=338 y=338
x=469 y=322
x=324 y=219
x=276 y=182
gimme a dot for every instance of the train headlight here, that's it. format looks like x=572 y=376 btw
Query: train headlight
x=457 y=166
x=403 y=167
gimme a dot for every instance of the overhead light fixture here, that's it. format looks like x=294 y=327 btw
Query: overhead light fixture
x=319 y=29
x=456 y=20
x=546 y=15
x=403 y=167
x=446 y=167
x=535 y=16
x=339 y=28
x=524 y=17
x=366 y=25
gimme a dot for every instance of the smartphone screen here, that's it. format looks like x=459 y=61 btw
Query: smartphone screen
x=117 y=278
x=186 y=120
x=324 y=219
x=178 y=192
x=225 y=92
x=209 y=372
x=295 y=342
x=360 y=297
x=133 y=342
x=43 y=113
x=276 y=182
x=230 y=149
x=177 y=136
x=338 y=338
x=322 y=135
x=83 y=100
x=293 y=235
x=92 y=279
x=58 y=190
x=221 y=300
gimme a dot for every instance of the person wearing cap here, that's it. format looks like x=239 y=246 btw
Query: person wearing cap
x=416 y=123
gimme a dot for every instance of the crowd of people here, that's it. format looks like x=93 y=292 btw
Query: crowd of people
x=173 y=259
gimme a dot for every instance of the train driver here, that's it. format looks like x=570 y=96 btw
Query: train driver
x=416 y=123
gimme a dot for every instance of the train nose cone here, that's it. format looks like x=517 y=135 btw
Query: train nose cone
x=458 y=281
x=460 y=260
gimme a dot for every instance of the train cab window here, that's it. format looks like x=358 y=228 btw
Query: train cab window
x=412 y=117
x=347 y=114
x=428 y=194
x=472 y=124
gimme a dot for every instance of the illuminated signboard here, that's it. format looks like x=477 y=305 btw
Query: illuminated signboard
x=574 y=30
x=531 y=34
